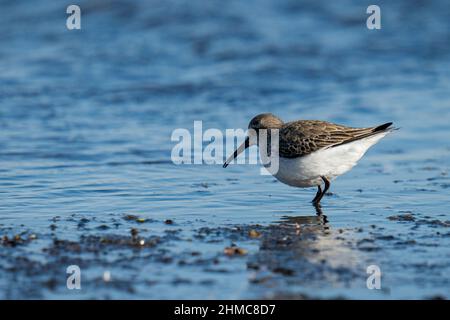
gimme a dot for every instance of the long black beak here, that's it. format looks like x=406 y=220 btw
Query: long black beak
x=241 y=148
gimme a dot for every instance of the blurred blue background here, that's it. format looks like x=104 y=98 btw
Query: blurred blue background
x=86 y=118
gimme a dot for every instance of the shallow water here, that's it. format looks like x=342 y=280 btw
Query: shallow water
x=86 y=119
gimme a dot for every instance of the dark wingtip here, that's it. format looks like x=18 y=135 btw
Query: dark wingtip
x=383 y=127
x=225 y=165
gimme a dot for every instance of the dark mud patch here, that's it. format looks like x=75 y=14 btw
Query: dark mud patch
x=17 y=239
x=137 y=219
x=402 y=217
x=420 y=220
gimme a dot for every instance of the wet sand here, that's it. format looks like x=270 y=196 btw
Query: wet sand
x=296 y=257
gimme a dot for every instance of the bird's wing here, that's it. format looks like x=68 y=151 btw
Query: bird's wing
x=303 y=137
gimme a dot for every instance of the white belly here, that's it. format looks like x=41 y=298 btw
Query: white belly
x=307 y=171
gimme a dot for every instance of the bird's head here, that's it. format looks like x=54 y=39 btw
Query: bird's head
x=265 y=121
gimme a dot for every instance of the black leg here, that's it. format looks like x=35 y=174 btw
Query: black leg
x=327 y=185
x=318 y=197
x=318 y=194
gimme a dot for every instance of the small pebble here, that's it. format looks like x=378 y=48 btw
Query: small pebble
x=254 y=234
x=231 y=251
x=107 y=276
x=134 y=232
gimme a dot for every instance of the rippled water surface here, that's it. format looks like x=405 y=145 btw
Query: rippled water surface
x=86 y=178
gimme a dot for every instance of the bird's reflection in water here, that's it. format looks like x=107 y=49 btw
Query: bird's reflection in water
x=319 y=211
x=306 y=250
x=319 y=219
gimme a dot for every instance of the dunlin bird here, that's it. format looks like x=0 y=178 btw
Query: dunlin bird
x=312 y=152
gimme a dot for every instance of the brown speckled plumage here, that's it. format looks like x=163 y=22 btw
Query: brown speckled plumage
x=302 y=137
